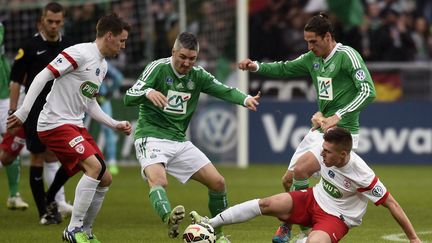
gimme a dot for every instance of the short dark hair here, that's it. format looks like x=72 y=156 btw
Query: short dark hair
x=53 y=7
x=111 y=22
x=320 y=24
x=340 y=137
x=186 y=40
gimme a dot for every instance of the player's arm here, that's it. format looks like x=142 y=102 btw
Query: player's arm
x=14 y=94
x=143 y=88
x=95 y=111
x=399 y=215
x=294 y=68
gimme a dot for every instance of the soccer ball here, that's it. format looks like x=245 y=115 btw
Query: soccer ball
x=202 y=233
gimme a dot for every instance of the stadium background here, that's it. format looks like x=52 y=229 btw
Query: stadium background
x=396 y=128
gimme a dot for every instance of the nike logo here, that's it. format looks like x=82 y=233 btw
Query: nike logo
x=40 y=52
x=88 y=69
x=38 y=178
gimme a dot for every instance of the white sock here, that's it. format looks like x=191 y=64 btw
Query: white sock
x=94 y=208
x=236 y=214
x=84 y=193
x=49 y=172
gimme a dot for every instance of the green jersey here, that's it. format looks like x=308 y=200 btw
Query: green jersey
x=342 y=82
x=182 y=92
x=4 y=68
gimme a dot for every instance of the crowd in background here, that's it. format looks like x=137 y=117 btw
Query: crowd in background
x=391 y=30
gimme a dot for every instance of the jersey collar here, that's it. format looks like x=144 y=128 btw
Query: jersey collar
x=332 y=52
x=174 y=70
x=45 y=39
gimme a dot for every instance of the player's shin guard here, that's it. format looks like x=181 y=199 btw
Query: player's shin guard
x=217 y=203
x=13 y=174
x=159 y=201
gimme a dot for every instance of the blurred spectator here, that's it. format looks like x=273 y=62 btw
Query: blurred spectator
x=81 y=22
x=421 y=38
x=165 y=27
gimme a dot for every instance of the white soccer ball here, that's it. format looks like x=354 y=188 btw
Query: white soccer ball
x=202 y=233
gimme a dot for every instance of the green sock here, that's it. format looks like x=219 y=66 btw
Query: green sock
x=217 y=203
x=160 y=203
x=13 y=174
x=301 y=184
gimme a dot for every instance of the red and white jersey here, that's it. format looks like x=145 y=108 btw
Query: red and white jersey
x=79 y=71
x=344 y=192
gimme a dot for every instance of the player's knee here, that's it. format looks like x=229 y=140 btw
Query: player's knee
x=217 y=184
x=106 y=180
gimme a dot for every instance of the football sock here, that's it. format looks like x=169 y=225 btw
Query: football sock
x=13 y=174
x=59 y=180
x=84 y=193
x=50 y=170
x=217 y=203
x=37 y=188
x=94 y=208
x=236 y=214
x=160 y=203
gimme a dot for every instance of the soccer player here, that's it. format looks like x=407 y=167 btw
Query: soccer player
x=333 y=206
x=78 y=72
x=344 y=88
x=31 y=58
x=167 y=93
x=10 y=145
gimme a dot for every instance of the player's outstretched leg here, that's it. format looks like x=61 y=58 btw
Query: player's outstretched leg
x=77 y=235
x=175 y=217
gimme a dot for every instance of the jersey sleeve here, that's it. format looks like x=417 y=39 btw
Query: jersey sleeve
x=295 y=68
x=219 y=90
x=68 y=60
x=360 y=76
x=144 y=84
x=19 y=67
x=375 y=191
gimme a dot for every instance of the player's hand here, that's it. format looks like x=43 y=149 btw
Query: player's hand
x=247 y=65
x=13 y=122
x=329 y=122
x=317 y=120
x=252 y=102
x=125 y=127
x=157 y=98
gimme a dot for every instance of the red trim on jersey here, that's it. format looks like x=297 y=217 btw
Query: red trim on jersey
x=382 y=200
x=53 y=70
x=70 y=59
x=374 y=181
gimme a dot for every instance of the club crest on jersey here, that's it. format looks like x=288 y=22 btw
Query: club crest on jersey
x=377 y=191
x=190 y=85
x=332 y=67
x=169 y=81
x=360 y=75
x=316 y=66
x=89 y=89
x=347 y=183
x=331 y=174
x=97 y=71
x=80 y=148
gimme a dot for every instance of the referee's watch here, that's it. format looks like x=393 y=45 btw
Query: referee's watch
x=11 y=111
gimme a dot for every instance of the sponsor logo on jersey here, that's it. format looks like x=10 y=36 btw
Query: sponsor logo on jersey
x=331 y=189
x=325 y=88
x=377 y=191
x=97 y=71
x=177 y=102
x=80 y=148
x=360 y=75
x=59 y=60
x=169 y=81
x=89 y=89
x=331 y=174
x=316 y=66
x=75 y=141
x=190 y=85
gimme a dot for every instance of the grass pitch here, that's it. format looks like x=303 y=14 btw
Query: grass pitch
x=127 y=216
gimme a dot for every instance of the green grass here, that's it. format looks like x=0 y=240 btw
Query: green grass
x=127 y=216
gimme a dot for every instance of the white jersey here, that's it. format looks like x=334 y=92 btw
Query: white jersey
x=344 y=192
x=79 y=71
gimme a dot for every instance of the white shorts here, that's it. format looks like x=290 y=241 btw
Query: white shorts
x=181 y=159
x=4 y=107
x=313 y=142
